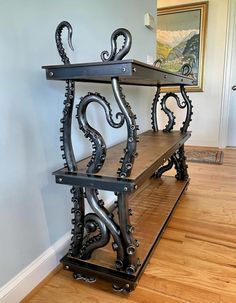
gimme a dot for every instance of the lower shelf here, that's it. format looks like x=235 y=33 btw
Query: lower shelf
x=153 y=205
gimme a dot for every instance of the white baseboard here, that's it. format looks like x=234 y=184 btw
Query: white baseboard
x=202 y=143
x=26 y=280
x=18 y=287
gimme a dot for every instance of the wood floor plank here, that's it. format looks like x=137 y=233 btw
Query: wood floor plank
x=177 y=290
x=195 y=261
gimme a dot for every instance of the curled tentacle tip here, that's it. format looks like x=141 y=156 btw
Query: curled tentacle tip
x=70 y=43
x=104 y=55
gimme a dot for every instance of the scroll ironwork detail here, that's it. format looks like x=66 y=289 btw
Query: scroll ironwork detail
x=178 y=160
x=180 y=164
x=164 y=168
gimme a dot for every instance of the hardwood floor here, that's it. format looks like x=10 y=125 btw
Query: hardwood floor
x=195 y=260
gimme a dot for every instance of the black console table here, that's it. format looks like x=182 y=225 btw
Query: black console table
x=116 y=242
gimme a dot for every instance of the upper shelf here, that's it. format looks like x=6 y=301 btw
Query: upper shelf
x=131 y=72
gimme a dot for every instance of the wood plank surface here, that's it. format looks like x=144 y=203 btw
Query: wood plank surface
x=195 y=261
x=152 y=205
x=151 y=149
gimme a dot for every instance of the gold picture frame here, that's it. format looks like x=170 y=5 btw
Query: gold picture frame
x=181 y=35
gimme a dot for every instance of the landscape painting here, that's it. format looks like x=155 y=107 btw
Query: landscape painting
x=180 y=40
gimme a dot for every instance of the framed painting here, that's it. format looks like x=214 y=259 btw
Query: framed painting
x=181 y=33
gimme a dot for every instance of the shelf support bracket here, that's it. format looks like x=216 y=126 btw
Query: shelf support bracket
x=181 y=167
x=178 y=160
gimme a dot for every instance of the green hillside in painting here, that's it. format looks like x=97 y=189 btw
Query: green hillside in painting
x=163 y=50
x=174 y=60
x=187 y=51
x=177 y=51
x=192 y=48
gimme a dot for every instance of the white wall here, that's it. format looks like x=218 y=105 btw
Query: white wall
x=34 y=211
x=207 y=104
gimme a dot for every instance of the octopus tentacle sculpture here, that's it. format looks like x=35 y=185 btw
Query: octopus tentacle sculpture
x=97 y=235
x=118 y=55
x=169 y=113
x=130 y=150
x=66 y=146
x=181 y=104
x=189 y=113
x=99 y=225
x=127 y=229
x=154 y=110
x=98 y=144
x=78 y=212
x=106 y=218
x=115 y=54
x=60 y=48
